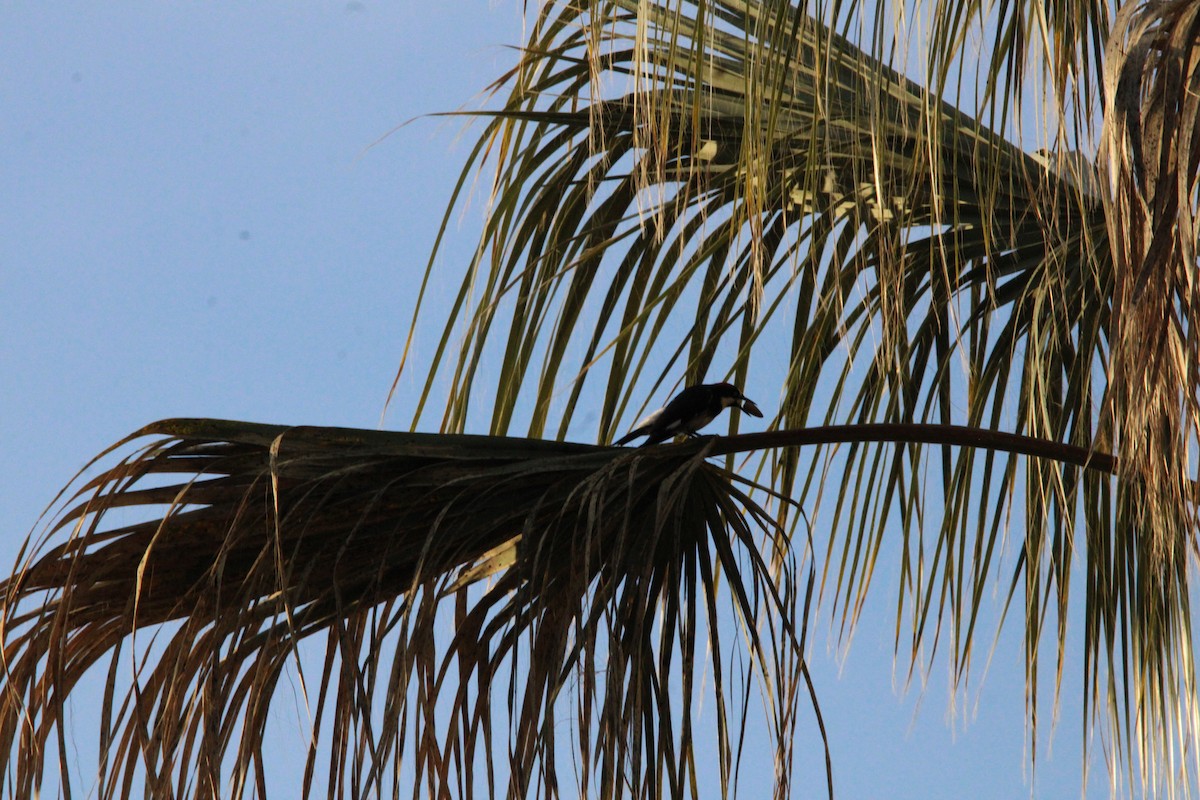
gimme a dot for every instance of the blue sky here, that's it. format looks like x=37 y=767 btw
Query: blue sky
x=193 y=222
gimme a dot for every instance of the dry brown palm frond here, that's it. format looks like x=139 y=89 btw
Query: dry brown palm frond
x=1151 y=151
x=260 y=536
x=1152 y=154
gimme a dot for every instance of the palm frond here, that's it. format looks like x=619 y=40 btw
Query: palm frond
x=255 y=537
x=1151 y=151
x=737 y=189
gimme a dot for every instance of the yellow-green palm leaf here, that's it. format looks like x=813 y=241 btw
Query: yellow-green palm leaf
x=690 y=191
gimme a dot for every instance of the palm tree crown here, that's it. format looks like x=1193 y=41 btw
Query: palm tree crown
x=966 y=339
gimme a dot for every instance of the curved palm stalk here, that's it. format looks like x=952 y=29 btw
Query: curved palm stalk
x=259 y=536
x=733 y=189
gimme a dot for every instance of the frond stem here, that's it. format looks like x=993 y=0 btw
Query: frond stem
x=918 y=433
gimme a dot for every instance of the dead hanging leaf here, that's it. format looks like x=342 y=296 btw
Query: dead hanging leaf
x=1151 y=154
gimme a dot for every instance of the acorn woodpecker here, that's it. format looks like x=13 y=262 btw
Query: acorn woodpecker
x=689 y=411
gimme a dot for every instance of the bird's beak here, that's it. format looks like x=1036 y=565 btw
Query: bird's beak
x=750 y=408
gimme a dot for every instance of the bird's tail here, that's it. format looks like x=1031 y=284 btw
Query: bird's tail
x=629 y=437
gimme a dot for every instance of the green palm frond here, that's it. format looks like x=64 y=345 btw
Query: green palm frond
x=259 y=536
x=787 y=170
x=735 y=189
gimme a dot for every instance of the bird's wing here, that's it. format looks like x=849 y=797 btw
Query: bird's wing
x=641 y=429
x=649 y=419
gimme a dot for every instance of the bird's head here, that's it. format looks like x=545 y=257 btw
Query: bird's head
x=732 y=396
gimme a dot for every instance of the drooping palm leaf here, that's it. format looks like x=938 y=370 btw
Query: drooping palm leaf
x=1151 y=151
x=733 y=188
x=259 y=536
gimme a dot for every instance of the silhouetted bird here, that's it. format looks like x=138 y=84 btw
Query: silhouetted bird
x=689 y=411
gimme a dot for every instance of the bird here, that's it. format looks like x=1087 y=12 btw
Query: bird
x=689 y=411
